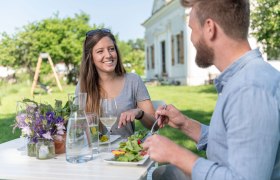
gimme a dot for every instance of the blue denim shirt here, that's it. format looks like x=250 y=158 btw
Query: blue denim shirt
x=243 y=138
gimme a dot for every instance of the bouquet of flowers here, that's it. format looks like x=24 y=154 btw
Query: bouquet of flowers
x=40 y=120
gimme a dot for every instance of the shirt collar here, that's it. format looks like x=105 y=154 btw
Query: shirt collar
x=224 y=77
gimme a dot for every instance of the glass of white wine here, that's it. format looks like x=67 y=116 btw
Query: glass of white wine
x=108 y=115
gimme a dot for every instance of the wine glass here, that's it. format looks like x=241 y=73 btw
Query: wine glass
x=108 y=115
x=21 y=115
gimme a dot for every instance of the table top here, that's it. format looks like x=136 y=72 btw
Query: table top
x=15 y=164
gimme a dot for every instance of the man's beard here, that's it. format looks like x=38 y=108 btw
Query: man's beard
x=204 y=54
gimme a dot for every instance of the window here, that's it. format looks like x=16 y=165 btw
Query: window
x=180 y=48
x=148 y=58
x=163 y=57
x=172 y=51
x=153 y=56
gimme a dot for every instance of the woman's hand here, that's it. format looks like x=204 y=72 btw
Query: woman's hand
x=128 y=116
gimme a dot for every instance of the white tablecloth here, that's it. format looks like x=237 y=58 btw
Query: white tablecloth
x=15 y=164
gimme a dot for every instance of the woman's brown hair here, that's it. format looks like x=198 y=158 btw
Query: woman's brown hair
x=89 y=78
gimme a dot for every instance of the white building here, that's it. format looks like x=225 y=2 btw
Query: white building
x=169 y=52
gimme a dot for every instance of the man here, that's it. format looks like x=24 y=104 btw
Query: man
x=242 y=140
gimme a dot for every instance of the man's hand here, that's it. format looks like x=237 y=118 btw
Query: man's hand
x=159 y=148
x=171 y=116
x=163 y=150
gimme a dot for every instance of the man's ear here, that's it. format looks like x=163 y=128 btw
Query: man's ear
x=210 y=29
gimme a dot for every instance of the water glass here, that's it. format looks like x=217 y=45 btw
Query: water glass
x=93 y=123
x=21 y=115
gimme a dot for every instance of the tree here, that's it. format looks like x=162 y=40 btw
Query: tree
x=133 y=55
x=266 y=25
x=61 y=38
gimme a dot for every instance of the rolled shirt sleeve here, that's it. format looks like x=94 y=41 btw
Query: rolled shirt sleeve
x=202 y=143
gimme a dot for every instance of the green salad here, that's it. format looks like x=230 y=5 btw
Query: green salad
x=131 y=150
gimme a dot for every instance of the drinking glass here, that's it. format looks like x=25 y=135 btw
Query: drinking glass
x=93 y=123
x=108 y=115
x=20 y=119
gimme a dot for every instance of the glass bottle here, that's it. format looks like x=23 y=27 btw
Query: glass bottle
x=78 y=140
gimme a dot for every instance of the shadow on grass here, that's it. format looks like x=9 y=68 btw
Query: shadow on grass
x=6 y=128
x=201 y=116
x=208 y=89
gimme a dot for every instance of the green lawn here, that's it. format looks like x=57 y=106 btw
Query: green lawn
x=197 y=102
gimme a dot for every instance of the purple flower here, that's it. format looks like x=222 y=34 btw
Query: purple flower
x=21 y=120
x=59 y=119
x=50 y=117
x=40 y=123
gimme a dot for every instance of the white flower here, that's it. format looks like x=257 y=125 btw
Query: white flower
x=26 y=130
x=60 y=128
x=47 y=136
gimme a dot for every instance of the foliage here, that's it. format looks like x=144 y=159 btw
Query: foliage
x=61 y=38
x=138 y=44
x=266 y=25
x=133 y=55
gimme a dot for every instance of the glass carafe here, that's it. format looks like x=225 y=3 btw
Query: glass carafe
x=78 y=140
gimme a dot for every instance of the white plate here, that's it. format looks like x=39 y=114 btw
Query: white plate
x=113 y=138
x=139 y=163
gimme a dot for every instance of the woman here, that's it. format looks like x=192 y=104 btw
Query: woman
x=102 y=75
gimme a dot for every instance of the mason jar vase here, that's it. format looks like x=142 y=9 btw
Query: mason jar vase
x=45 y=149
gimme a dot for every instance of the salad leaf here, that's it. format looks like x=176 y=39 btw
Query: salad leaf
x=131 y=148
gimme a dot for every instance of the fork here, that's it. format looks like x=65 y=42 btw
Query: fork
x=151 y=132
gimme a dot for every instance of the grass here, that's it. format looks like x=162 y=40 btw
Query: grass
x=9 y=96
x=196 y=102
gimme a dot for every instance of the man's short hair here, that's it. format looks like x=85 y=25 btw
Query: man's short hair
x=233 y=16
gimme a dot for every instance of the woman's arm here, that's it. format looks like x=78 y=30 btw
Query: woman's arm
x=144 y=113
x=147 y=108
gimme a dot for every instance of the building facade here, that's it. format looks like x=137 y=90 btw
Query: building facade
x=170 y=54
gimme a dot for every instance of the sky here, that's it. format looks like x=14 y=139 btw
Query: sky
x=123 y=17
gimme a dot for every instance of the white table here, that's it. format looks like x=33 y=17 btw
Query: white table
x=15 y=164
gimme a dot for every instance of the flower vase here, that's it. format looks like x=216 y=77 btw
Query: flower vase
x=59 y=145
x=45 y=149
x=31 y=149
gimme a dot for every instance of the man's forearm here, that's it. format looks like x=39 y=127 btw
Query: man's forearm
x=191 y=128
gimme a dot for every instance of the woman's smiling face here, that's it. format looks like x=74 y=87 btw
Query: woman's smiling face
x=104 y=55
